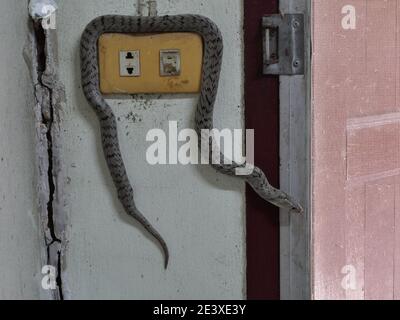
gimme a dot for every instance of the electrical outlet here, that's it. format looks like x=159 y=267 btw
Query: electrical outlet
x=129 y=63
x=158 y=63
x=170 y=63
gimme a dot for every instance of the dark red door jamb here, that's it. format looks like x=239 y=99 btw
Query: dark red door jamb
x=262 y=115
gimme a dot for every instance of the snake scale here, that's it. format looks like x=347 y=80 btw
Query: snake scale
x=212 y=60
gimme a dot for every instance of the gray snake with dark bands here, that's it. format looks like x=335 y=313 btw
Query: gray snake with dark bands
x=213 y=48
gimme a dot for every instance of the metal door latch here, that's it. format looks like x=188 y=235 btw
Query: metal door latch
x=283 y=44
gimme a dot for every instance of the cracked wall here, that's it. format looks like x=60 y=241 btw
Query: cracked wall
x=40 y=54
x=56 y=192
x=199 y=212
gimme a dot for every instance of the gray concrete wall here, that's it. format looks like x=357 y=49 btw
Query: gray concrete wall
x=199 y=212
x=19 y=235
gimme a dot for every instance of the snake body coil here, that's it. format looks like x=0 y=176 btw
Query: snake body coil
x=213 y=49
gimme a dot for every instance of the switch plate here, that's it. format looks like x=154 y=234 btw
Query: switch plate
x=129 y=63
x=149 y=80
x=170 y=63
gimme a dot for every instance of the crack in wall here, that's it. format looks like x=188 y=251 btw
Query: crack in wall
x=48 y=120
x=40 y=54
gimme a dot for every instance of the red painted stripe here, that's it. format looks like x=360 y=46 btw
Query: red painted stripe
x=262 y=114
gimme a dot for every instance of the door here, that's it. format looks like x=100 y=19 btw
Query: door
x=355 y=169
x=277 y=107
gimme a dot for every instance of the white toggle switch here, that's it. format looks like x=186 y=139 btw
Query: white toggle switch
x=129 y=63
x=170 y=63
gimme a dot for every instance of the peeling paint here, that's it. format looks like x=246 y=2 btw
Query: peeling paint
x=39 y=9
x=147 y=8
x=40 y=54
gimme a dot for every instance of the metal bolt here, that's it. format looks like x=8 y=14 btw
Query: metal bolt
x=295 y=24
x=296 y=63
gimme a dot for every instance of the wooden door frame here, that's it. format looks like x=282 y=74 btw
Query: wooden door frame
x=278 y=257
x=262 y=115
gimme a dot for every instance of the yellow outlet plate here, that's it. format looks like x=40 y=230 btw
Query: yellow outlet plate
x=150 y=80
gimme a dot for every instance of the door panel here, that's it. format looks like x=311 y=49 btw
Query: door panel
x=356 y=151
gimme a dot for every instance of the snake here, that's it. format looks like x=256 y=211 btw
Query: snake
x=211 y=69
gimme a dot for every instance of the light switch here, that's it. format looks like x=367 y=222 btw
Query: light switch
x=170 y=63
x=129 y=63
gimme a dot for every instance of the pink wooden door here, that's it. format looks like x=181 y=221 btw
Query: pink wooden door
x=356 y=150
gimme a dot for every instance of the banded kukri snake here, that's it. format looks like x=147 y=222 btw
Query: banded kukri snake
x=212 y=59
